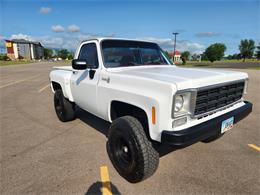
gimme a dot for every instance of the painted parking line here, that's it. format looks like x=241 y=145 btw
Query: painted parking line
x=254 y=147
x=106 y=187
x=16 y=82
x=43 y=88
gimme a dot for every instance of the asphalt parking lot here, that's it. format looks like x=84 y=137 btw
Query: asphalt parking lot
x=41 y=155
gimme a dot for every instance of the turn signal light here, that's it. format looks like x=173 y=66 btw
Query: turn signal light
x=153 y=115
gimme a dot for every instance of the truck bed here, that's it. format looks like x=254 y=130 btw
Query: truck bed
x=67 y=68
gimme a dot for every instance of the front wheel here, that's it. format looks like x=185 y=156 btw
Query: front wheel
x=65 y=109
x=130 y=151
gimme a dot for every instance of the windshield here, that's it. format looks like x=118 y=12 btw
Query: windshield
x=118 y=53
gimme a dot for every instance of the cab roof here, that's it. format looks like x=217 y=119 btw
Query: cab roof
x=99 y=39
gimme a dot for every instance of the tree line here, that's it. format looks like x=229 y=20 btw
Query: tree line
x=48 y=54
x=216 y=51
x=63 y=54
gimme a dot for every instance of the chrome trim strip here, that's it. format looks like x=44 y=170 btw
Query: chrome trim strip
x=216 y=110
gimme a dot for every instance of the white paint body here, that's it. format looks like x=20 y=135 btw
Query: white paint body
x=141 y=86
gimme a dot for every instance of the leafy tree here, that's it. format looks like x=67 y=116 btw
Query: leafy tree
x=63 y=54
x=257 y=53
x=195 y=57
x=4 y=57
x=166 y=53
x=237 y=56
x=215 y=51
x=234 y=57
x=48 y=53
x=230 y=57
x=247 y=48
x=204 y=57
x=70 y=56
x=185 y=56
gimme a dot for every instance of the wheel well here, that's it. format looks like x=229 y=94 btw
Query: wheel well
x=119 y=109
x=55 y=86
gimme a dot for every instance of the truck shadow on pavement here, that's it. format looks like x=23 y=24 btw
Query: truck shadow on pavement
x=163 y=149
x=91 y=120
x=102 y=126
x=96 y=188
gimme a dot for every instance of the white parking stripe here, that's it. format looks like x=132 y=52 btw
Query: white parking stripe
x=19 y=81
x=43 y=88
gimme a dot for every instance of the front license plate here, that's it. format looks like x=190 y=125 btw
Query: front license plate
x=227 y=124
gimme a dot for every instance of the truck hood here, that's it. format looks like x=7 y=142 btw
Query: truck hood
x=183 y=78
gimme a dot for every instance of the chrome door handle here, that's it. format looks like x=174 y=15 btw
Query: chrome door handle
x=107 y=79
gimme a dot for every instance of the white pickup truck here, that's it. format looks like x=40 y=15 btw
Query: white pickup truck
x=148 y=100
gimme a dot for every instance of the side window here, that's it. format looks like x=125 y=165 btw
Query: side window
x=88 y=52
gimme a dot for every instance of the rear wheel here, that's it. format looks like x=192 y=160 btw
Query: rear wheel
x=130 y=151
x=65 y=109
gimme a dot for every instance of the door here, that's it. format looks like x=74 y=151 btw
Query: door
x=84 y=82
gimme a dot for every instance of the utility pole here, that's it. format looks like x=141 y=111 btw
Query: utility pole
x=174 y=47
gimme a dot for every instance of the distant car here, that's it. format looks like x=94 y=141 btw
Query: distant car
x=147 y=99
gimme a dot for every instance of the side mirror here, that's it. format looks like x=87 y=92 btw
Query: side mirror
x=79 y=64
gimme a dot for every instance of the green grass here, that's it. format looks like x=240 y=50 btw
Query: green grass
x=239 y=64
x=227 y=61
x=241 y=60
x=224 y=62
x=195 y=65
x=255 y=68
x=8 y=63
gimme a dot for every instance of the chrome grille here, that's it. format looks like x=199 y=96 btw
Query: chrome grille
x=213 y=98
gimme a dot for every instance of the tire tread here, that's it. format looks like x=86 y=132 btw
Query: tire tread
x=150 y=157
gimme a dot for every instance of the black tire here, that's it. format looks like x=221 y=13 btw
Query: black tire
x=213 y=138
x=65 y=109
x=130 y=151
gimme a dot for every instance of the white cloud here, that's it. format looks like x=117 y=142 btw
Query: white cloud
x=64 y=41
x=68 y=41
x=22 y=36
x=73 y=28
x=57 y=28
x=181 y=45
x=45 y=10
x=207 y=34
x=193 y=47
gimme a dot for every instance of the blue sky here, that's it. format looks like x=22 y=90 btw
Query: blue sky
x=63 y=24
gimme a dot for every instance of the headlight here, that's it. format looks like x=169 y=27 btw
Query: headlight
x=183 y=103
x=246 y=86
x=178 y=103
